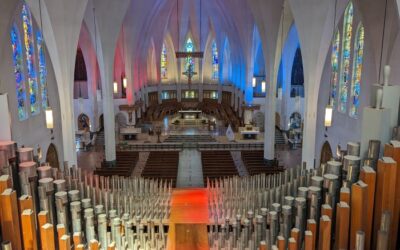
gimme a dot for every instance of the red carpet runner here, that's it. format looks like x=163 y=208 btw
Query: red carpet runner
x=188 y=220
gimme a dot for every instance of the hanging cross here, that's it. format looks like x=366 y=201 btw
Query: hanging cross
x=189 y=73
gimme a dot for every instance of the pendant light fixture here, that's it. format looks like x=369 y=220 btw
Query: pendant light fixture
x=329 y=106
x=48 y=111
x=382 y=43
x=124 y=80
x=98 y=89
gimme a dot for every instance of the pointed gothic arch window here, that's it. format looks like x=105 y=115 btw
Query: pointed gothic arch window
x=335 y=67
x=357 y=71
x=189 y=47
x=30 y=59
x=346 y=58
x=164 y=62
x=42 y=68
x=215 y=63
x=18 y=60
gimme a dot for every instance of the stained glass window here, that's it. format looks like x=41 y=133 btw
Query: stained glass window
x=18 y=72
x=42 y=68
x=357 y=71
x=335 y=67
x=346 y=57
x=189 y=48
x=164 y=69
x=215 y=64
x=30 y=58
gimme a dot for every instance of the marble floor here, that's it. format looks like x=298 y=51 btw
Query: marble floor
x=190 y=171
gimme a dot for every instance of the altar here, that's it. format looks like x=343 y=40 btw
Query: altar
x=249 y=132
x=190 y=114
x=130 y=133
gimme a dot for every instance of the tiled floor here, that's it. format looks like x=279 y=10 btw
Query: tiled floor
x=190 y=172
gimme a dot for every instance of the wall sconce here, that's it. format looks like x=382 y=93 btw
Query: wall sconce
x=254 y=82
x=49 y=118
x=328 y=115
x=115 y=87
x=124 y=82
x=263 y=86
x=50 y=121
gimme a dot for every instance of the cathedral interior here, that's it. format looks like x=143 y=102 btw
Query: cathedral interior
x=199 y=124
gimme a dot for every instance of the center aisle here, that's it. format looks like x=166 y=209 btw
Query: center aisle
x=190 y=169
x=188 y=220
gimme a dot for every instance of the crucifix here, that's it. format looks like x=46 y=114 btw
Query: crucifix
x=189 y=73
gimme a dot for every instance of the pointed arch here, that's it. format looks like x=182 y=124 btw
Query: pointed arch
x=18 y=72
x=52 y=156
x=326 y=153
x=226 y=65
x=171 y=73
x=208 y=71
x=346 y=58
x=30 y=59
x=190 y=46
x=357 y=71
x=151 y=63
x=335 y=67
x=42 y=68
x=259 y=61
x=215 y=61
x=297 y=75
x=164 y=62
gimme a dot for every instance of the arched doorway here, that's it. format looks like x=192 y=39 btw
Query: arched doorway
x=52 y=156
x=83 y=122
x=326 y=153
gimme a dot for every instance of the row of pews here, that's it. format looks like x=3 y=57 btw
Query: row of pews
x=162 y=164
x=156 y=112
x=217 y=164
x=254 y=163
x=125 y=163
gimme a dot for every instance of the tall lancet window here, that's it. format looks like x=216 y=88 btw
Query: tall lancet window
x=164 y=62
x=18 y=72
x=335 y=67
x=346 y=58
x=215 y=64
x=30 y=58
x=189 y=48
x=357 y=71
x=42 y=68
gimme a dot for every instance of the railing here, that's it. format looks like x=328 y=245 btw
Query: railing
x=230 y=146
x=194 y=145
x=150 y=147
